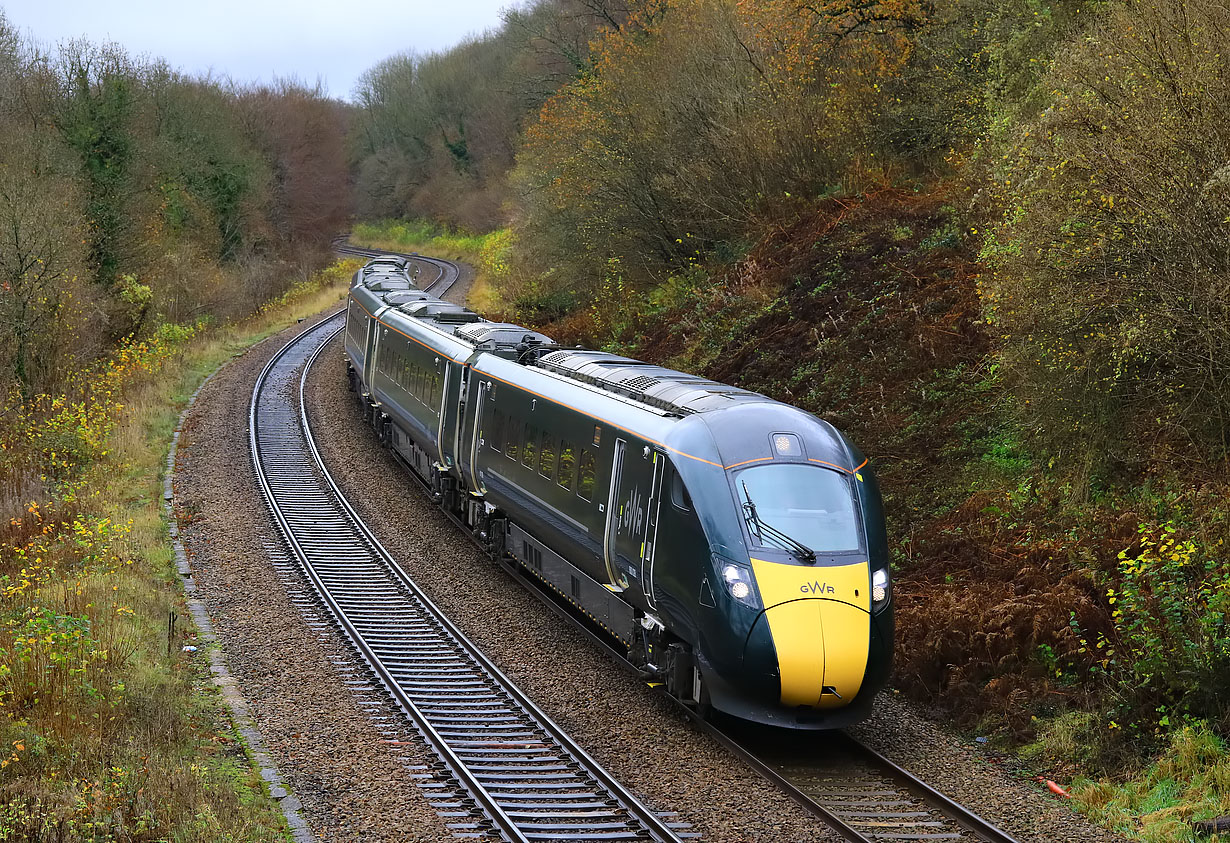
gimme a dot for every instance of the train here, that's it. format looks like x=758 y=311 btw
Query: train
x=732 y=544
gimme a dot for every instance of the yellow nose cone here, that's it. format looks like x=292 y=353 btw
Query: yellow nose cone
x=820 y=644
x=820 y=622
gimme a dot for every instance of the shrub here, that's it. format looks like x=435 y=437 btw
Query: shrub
x=1170 y=644
x=1110 y=268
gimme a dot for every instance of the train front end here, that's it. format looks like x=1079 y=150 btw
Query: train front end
x=795 y=622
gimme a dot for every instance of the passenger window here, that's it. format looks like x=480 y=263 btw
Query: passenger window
x=530 y=450
x=435 y=390
x=496 y=442
x=513 y=441
x=679 y=493
x=585 y=486
x=567 y=464
x=546 y=459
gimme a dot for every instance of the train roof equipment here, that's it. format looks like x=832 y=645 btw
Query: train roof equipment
x=441 y=312
x=384 y=263
x=406 y=296
x=677 y=393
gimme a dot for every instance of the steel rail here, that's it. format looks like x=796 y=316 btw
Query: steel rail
x=643 y=813
x=559 y=776
x=981 y=829
x=468 y=782
x=448 y=271
x=830 y=814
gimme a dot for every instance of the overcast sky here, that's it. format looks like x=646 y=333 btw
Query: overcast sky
x=258 y=40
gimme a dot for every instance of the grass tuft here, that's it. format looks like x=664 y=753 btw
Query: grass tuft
x=1190 y=781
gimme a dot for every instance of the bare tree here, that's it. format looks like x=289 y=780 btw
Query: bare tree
x=42 y=236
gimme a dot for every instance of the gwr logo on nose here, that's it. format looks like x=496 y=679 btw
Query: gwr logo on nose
x=817 y=588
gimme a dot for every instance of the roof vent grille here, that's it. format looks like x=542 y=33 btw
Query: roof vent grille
x=640 y=382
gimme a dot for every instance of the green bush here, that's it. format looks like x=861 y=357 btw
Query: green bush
x=1170 y=645
x=1109 y=260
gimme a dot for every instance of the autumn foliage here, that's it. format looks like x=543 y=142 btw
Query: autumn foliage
x=986 y=239
x=140 y=208
x=696 y=120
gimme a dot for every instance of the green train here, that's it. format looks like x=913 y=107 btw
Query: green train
x=735 y=545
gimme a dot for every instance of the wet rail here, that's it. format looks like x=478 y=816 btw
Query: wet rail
x=861 y=794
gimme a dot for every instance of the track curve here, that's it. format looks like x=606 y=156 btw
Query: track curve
x=517 y=776
x=447 y=272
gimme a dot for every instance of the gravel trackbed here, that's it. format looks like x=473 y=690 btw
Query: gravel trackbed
x=337 y=743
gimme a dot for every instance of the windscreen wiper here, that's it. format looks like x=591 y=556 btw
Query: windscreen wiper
x=763 y=530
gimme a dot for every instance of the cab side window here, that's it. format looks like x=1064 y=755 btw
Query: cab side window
x=679 y=493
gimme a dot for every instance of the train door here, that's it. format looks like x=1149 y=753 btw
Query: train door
x=371 y=343
x=653 y=510
x=476 y=439
x=446 y=457
x=631 y=514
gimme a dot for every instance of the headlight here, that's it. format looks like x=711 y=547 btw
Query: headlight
x=880 y=588
x=739 y=583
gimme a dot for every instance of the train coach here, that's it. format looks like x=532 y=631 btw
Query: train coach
x=735 y=545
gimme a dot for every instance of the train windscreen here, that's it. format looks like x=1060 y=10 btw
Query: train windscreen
x=788 y=505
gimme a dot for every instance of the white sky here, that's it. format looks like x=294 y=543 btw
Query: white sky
x=258 y=40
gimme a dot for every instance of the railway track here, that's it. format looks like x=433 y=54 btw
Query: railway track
x=862 y=795
x=858 y=792
x=447 y=272
x=512 y=773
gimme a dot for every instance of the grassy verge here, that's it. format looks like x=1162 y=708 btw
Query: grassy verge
x=108 y=731
x=1189 y=781
x=485 y=252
